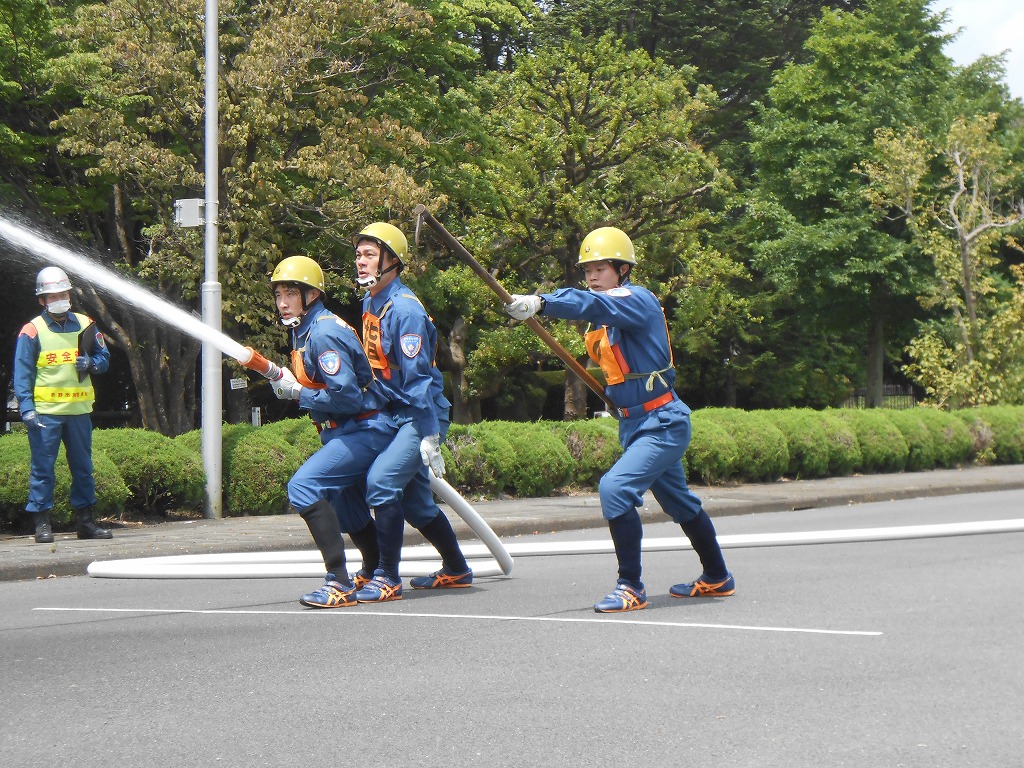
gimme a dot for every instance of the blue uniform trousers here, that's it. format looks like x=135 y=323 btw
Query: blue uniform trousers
x=44 y=442
x=399 y=476
x=339 y=467
x=654 y=444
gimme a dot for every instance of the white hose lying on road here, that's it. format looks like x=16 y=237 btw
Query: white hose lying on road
x=464 y=509
x=421 y=560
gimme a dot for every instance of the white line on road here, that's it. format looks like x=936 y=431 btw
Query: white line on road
x=468 y=616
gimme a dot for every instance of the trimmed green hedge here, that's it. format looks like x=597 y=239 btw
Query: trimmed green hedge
x=1007 y=427
x=111 y=491
x=762 y=448
x=143 y=471
x=160 y=473
x=882 y=445
x=713 y=455
x=819 y=443
x=593 y=446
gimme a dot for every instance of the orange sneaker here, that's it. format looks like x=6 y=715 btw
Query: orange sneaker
x=704 y=588
x=623 y=598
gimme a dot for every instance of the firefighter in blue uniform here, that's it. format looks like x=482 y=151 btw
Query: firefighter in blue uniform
x=400 y=339
x=629 y=339
x=330 y=378
x=54 y=360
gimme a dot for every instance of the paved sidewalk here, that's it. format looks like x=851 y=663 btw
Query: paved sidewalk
x=22 y=558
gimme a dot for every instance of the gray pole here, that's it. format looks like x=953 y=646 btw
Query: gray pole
x=212 y=366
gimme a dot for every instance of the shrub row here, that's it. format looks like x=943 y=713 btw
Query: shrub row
x=138 y=470
x=135 y=471
x=730 y=445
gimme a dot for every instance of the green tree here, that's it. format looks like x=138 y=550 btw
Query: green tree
x=845 y=273
x=735 y=45
x=36 y=181
x=306 y=154
x=579 y=135
x=972 y=352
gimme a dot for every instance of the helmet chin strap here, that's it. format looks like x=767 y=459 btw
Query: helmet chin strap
x=292 y=322
x=371 y=280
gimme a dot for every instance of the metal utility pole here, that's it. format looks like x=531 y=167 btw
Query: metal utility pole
x=212 y=381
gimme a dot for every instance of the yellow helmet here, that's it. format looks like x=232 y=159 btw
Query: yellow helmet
x=299 y=269
x=386 y=236
x=607 y=244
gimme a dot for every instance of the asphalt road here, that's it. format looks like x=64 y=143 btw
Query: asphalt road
x=900 y=653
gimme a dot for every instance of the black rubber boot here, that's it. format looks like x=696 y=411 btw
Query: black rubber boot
x=44 y=531
x=366 y=542
x=323 y=526
x=87 y=528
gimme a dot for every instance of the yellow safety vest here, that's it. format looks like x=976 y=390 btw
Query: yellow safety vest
x=57 y=389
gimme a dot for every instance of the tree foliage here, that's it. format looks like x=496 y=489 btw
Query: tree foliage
x=845 y=270
x=972 y=351
x=741 y=144
x=582 y=134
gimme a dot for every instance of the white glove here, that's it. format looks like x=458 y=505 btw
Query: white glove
x=30 y=421
x=286 y=387
x=430 y=451
x=524 y=307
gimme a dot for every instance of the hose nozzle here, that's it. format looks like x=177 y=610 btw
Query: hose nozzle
x=260 y=364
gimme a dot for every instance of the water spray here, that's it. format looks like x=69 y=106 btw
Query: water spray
x=138 y=297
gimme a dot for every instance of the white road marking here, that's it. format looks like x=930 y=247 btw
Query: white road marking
x=363 y=612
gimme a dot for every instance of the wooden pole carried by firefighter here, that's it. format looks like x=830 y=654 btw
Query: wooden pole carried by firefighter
x=456 y=247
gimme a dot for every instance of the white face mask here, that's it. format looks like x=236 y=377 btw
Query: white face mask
x=59 y=307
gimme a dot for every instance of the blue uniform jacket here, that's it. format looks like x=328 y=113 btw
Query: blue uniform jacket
x=409 y=340
x=635 y=322
x=26 y=354
x=333 y=355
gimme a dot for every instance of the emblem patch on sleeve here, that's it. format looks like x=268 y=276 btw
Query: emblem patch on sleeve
x=619 y=291
x=330 y=362
x=411 y=344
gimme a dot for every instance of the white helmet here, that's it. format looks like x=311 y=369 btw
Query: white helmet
x=52 y=280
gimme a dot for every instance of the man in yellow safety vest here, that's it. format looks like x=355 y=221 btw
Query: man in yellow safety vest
x=55 y=356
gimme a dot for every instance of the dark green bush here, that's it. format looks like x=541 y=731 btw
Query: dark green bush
x=111 y=491
x=806 y=441
x=480 y=458
x=844 y=448
x=712 y=456
x=261 y=466
x=951 y=437
x=160 y=473
x=298 y=432
x=820 y=443
x=882 y=445
x=761 y=446
x=982 y=436
x=540 y=460
x=593 y=445
x=1007 y=424
x=230 y=435
x=922 y=448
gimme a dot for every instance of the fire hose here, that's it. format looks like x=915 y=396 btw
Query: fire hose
x=273 y=372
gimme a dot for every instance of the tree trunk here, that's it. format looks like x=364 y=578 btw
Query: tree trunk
x=465 y=410
x=575 y=397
